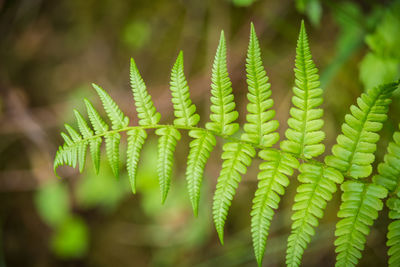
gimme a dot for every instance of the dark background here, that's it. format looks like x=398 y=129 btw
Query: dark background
x=50 y=52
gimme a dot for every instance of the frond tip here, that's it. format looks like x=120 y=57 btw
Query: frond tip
x=304 y=135
x=223 y=105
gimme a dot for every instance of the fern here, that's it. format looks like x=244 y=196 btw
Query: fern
x=351 y=157
x=360 y=205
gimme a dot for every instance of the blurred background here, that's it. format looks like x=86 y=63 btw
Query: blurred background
x=50 y=52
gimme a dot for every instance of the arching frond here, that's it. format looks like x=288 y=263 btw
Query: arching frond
x=318 y=185
x=184 y=110
x=223 y=113
x=354 y=152
x=272 y=183
x=304 y=134
x=237 y=157
x=360 y=205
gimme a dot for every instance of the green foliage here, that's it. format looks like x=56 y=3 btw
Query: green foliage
x=352 y=156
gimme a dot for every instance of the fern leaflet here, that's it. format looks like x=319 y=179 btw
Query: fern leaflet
x=147 y=113
x=354 y=151
x=360 y=205
x=136 y=139
x=237 y=157
x=200 y=149
x=272 y=183
x=166 y=148
x=184 y=110
x=318 y=185
x=304 y=135
x=223 y=106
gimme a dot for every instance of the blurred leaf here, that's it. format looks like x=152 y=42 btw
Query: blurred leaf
x=136 y=34
x=375 y=70
x=351 y=22
x=52 y=203
x=312 y=8
x=70 y=239
x=385 y=41
x=101 y=190
x=243 y=2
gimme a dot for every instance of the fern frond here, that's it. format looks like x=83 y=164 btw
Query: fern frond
x=223 y=113
x=304 y=135
x=118 y=119
x=184 y=109
x=81 y=146
x=166 y=148
x=360 y=205
x=272 y=183
x=94 y=143
x=237 y=157
x=145 y=108
x=136 y=140
x=200 y=149
x=318 y=185
x=393 y=234
x=354 y=152
x=259 y=129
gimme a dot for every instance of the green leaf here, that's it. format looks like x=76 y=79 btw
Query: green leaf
x=184 y=110
x=166 y=148
x=360 y=205
x=200 y=149
x=272 y=181
x=136 y=140
x=223 y=112
x=304 y=135
x=260 y=127
x=118 y=119
x=318 y=185
x=354 y=152
x=112 y=151
x=237 y=157
x=145 y=108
